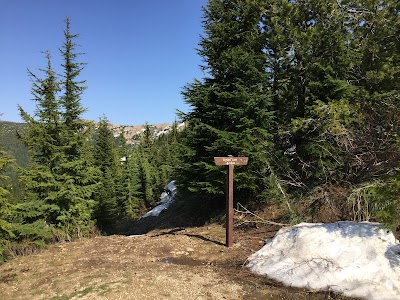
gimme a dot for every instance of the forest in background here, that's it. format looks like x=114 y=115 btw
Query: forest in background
x=308 y=90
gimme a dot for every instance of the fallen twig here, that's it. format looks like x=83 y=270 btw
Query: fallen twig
x=244 y=210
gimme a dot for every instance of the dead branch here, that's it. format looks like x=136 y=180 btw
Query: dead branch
x=244 y=210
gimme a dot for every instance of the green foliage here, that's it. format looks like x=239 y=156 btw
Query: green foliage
x=12 y=145
x=156 y=160
x=231 y=108
x=378 y=201
x=326 y=132
x=307 y=89
x=62 y=178
x=6 y=208
x=16 y=150
x=131 y=197
x=340 y=126
x=105 y=157
x=132 y=179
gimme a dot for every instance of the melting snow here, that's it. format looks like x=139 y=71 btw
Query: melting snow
x=166 y=198
x=356 y=259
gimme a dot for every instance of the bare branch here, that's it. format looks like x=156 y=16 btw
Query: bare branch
x=245 y=211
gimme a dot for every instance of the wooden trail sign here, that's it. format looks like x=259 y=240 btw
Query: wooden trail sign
x=230 y=162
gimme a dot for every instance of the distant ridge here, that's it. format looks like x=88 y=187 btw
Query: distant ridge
x=131 y=133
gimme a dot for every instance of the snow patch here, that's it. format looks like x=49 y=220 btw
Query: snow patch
x=355 y=259
x=166 y=199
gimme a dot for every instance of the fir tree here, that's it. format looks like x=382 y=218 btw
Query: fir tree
x=61 y=179
x=43 y=139
x=76 y=171
x=105 y=159
x=231 y=107
x=311 y=65
x=147 y=177
x=134 y=198
x=333 y=69
x=6 y=209
x=73 y=88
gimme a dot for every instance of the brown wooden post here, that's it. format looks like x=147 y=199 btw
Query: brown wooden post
x=229 y=205
x=229 y=162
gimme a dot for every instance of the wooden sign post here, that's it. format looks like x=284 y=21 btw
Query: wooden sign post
x=230 y=162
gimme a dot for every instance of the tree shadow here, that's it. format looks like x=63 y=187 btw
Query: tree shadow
x=176 y=231
x=170 y=232
x=204 y=239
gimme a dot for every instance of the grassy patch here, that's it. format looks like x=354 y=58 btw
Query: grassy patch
x=85 y=292
x=60 y=298
x=78 y=294
x=105 y=288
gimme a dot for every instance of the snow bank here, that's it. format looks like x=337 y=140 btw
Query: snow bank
x=166 y=198
x=356 y=259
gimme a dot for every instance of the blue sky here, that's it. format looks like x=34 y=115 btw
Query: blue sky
x=139 y=54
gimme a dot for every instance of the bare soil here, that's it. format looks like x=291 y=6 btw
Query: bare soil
x=177 y=263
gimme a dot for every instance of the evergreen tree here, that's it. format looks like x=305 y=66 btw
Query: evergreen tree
x=334 y=67
x=76 y=171
x=43 y=136
x=43 y=139
x=6 y=208
x=134 y=198
x=147 y=138
x=126 y=189
x=61 y=179
x=73 y=88
x=312 y=66
x=105 y=159
x=152 y=164
x=374 y=159
x=231 y=107
x=147 y=167
x=166 y=155
x=147 y=177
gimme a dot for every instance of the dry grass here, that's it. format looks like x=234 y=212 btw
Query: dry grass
x=180 y=263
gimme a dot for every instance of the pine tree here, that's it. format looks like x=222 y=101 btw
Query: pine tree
x=148 y=169
x=147 y=177
x=105 y=159
x=375 y=36
x=72 y=87
x=43 y=139
x=76 y=171
x=311 y=65
x=126 y=189
x=6 y=231
x=43 y=136
x=374 y=159
x=166 y=154
x=231 y=107
x=62 y=178
x=134 y=198
x=334 y=67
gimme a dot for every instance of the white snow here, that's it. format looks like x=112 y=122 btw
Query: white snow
x=166 y=198
x=355 y=259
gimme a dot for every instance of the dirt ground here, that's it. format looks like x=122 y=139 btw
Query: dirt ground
x=178 y=263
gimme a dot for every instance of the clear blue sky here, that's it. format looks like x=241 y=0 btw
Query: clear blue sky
x=139 y=54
